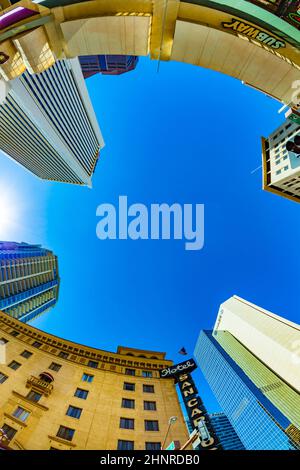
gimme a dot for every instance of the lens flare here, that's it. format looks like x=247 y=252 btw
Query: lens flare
x=8 y=212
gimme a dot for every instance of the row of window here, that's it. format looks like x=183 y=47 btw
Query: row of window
x=278 y=172
x=130 y=387
x=148 y=405
x=83 y=394
x=75 y=412
x=282 y=131
x=68 y=433
x=95 y=364
x=129 y=445
x=64 y=355
x=56 y=367
x=128 y=423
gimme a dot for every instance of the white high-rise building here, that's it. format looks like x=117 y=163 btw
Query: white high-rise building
x=273 y=340
x=48 y=124
x=281 y=161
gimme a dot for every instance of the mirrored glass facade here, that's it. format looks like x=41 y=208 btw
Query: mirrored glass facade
x=29 y=280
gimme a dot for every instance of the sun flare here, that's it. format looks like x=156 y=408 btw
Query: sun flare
x=8 y=211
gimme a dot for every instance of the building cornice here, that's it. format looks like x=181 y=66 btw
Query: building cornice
x=78 y=352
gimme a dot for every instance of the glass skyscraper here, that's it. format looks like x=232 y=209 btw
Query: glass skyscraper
x=242 y=361
x=225 y=432
x=29 y=280
x=48 y=124
x=107 y=64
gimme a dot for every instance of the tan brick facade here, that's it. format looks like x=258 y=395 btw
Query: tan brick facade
x=98 y=426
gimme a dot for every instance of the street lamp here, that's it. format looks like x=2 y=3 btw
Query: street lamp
x=172 y=420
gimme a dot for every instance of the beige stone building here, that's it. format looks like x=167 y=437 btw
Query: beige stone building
x=59 y=395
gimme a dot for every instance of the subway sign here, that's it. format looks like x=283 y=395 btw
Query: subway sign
x=197 y=413
x=252 y=32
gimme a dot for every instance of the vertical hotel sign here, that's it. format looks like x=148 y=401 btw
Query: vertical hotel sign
x=195 y=408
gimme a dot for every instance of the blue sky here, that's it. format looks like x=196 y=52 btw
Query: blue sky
x=185 y=135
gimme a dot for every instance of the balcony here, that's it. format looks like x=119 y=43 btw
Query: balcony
x=40 y=385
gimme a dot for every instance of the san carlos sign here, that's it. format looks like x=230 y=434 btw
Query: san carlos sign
x=195 y=408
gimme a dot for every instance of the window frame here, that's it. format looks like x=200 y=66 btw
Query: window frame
x=147 y=421
x=129 y=421
x=74 y=408
x=81 y=390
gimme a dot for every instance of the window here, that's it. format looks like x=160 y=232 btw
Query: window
x=87 y=378
x=127 y=403
x=81 y=393
x=148 y=388
x=151 y=425
x=63 y=355
x=14 y=333
x=146 y=373
x=129 y=371
x=36 y=344
x=125 y=445
x=26 y=354
x=54 y=366
x=129 y=387
x=14 y=365
x=34 y=396
x=3 y=377
x=153 y=446
x=93 y=364
x=150 y=405
x=74 y=412
x=126 y=423
x=21 y=414
x=9 y=431
x=65 y=433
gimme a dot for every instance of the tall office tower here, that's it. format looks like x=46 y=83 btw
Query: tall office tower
x=48 y=125
x=251 y=362
x=225 y=432
x=29 y=280
x=273 y=339
x=281 y=160
x=107 y=64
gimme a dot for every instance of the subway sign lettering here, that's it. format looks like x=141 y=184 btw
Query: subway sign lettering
x=253 y=33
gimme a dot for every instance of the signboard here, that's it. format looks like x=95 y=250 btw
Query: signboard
x=288 y=10
x=173 y=371
x=15 y=15
x=253 y=32
x=174 y=445
x=171 y=446
x=195 y=408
